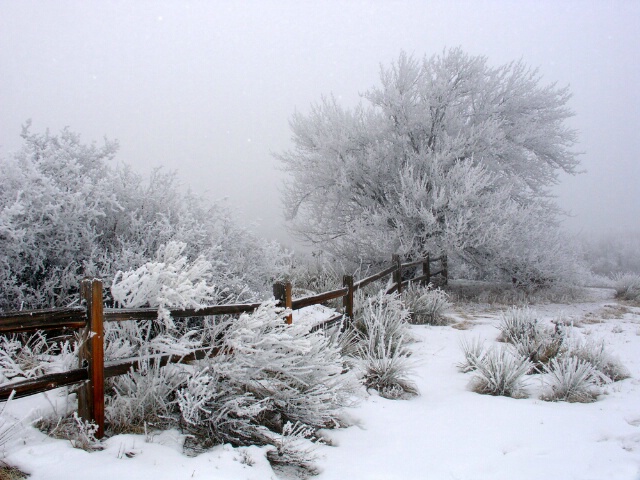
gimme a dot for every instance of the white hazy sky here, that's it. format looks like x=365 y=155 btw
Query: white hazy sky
x=206 y=88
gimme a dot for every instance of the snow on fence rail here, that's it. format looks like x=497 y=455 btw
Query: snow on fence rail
x=93 y=369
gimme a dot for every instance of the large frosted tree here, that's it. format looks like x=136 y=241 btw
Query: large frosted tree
x=448 y=154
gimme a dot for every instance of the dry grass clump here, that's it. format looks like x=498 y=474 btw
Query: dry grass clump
x=79 y=432
x=7 y=472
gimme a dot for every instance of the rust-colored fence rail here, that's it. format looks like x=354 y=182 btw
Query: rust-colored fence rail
x=93 y=370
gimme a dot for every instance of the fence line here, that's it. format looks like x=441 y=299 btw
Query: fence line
x=92 y=368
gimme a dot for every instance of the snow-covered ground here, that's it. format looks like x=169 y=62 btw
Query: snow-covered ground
x=446 y=433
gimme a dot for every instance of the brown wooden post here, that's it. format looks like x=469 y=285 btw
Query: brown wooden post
x=282 y=293
x=445 y=269
x=347 y=300
x=426 y=270
x=91 y=356
x=397 y=274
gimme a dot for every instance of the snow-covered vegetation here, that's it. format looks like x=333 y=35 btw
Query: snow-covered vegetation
x=426 y=305
x=451 y=157
x=66 y=211
x=261 y=392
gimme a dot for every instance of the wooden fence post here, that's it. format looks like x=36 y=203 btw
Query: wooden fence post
x=282 y=293
x=445 y=269
x=426 y=270
x=91 y=356
x=347 y=300
x=397 y=274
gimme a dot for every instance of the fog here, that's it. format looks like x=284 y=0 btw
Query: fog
x=207 y=88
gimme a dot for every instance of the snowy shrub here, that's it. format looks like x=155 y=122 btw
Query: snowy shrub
x=500 y=372
x=32 y=355
x=83 y=217
x=79 y=432
x=627 y=286
x=521 y=328
x=144 y=398
x=572 y=380
x=382 y=334
x=386 y=369
x=473 y=352
x=313 y=276
x=609 y=368
x=267 y=374
x=18 y=356
x=169 y=282
x=385 y=320
x=293 y=451
x=426 y=305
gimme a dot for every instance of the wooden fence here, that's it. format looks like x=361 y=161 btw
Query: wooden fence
x=92 y=368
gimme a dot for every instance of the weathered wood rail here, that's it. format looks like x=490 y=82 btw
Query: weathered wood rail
x=90 y=318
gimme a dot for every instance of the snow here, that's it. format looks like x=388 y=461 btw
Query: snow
x=446 y=433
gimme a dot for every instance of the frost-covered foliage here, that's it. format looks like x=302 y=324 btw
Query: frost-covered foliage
x=613 y=253
x=267 y=374
x=531 y=339
x=293 y=451
x=499 y=371
x=31 y=355
x=170 y=281
x=571 y=379
x=627 y=286
x=65 y=213
x=472 y=350
x=609 y=368
x=426 y=305
x=448 y=154
x=79 y=432
x=381 y=336
x=143 y=399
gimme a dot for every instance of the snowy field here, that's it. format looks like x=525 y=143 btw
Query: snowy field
x=446 y=433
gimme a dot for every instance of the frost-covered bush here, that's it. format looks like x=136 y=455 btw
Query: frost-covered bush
x=79 y=432
x=169 y=282
x=531 y=339
x=293 y=451
x=145 y=398
x=31 y=355
x=382 y=334
x=572 y=380
x=267 y=374
x=67 y=213
x=473 y=351
x=426 y=305
x=627 y=286
x=609 y=368
x=498 y=371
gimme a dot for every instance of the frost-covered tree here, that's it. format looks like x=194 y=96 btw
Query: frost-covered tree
x=67 y=212
x=448 y=154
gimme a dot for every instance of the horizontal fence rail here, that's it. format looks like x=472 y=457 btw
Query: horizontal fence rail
x=92 y=367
